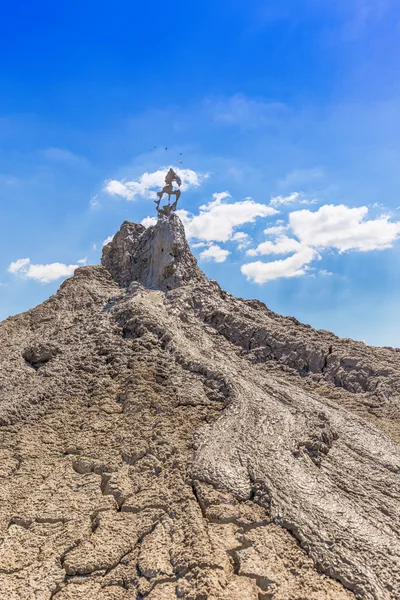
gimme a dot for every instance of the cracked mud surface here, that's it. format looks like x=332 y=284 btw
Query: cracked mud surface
x=168 y=441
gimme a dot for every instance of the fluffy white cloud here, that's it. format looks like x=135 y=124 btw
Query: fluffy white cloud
x=297 y=197
x=107 y=240
x=276 y=230
x=217 y=219
x=242 y=239
x=147 y=185
x=148 y=221
x=240 y=236
x=220 y=196
x=293 y=266
x=277 y=200
x=343 y=228
x=215 y=253
x=337 y=227
x=19 y=265
x=283 y=245
x=82 y=261
x=51 y=272
x=118 y=188
x=42 y=273
x=200 y=244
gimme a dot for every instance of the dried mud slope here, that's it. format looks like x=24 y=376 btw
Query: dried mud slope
x=161 y=439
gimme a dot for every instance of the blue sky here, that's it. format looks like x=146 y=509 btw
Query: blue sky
x=291 y=107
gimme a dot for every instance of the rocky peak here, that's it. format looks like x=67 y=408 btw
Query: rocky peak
x=158 y=257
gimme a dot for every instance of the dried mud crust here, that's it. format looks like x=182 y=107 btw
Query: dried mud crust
x=146 y=453
x=98 y=499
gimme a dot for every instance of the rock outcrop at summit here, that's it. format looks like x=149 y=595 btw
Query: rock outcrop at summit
x=162 y=439
x=157 y=257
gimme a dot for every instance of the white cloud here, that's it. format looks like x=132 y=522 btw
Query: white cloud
x=147 y=185
x=200 y=245
x=148 y=221
x=82 y=261
x=221 y=195
x=293 y=266
x=336 y=227
x=51 y=272
x=240 y=236
x=343 y=228
x=215 y=253
x=107 y=240
x=277 y=200
x=42 y=273
x=283 y=245
x=297 y=197
x=217 y=219
x=118 y=188
x=218 y=198
x=276 y=230
x=19 y=265
x=242 y=239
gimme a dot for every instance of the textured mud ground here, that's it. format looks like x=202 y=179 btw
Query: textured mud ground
x=161 y=439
